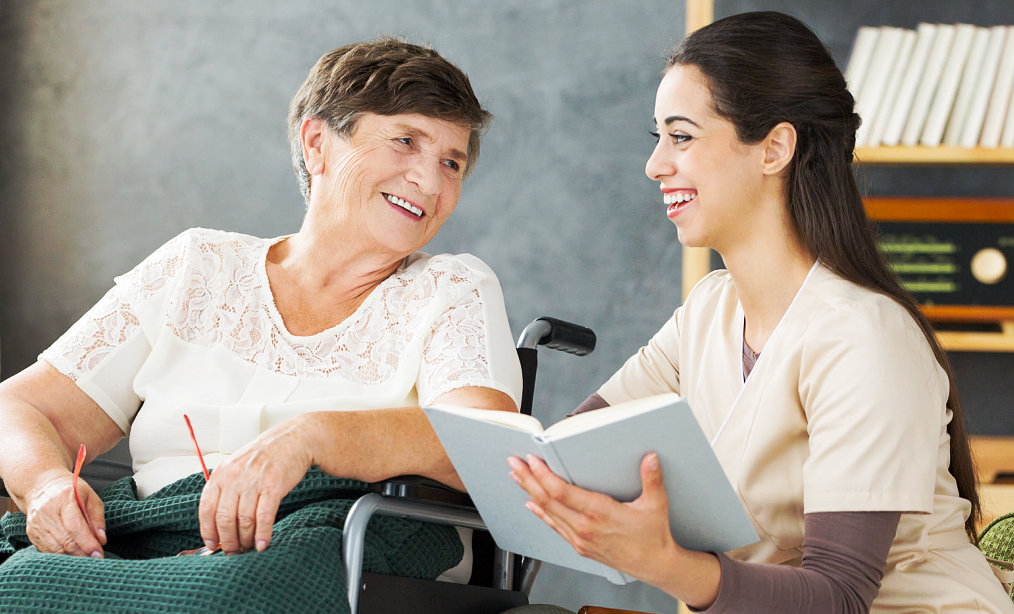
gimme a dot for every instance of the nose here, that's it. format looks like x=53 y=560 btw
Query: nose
x=658 y=164
x=425 y=173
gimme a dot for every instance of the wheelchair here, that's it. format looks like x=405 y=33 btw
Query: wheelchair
x=500 y=580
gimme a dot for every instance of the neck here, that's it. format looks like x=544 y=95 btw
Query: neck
x=768 y=274
x=332 y=258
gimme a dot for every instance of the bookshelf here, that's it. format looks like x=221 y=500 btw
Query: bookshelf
x=697 y=260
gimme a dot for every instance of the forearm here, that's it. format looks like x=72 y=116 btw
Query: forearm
x=31 y=450
x=377 y=444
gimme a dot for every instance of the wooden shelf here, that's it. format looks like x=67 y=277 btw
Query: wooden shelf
x=1002 y=341
x=934 y=155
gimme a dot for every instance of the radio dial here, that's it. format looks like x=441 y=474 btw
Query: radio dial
x=989 y=265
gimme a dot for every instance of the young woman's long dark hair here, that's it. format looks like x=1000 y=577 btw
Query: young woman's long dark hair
x=764 y=68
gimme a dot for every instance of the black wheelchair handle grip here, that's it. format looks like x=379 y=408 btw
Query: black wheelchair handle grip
x=568 y=337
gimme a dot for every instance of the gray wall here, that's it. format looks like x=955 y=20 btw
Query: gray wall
x=123 y=123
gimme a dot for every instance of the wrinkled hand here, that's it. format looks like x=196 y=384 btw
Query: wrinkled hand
x=240 y=501
x=631 y=537
x=55 y=523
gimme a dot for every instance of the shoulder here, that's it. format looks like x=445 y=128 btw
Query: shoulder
x=862 y=328
x=452 y=273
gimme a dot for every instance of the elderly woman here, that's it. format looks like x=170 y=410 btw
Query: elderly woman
x=313 y=349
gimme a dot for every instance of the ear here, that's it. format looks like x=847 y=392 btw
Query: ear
x=312 y=134
x=779 y=147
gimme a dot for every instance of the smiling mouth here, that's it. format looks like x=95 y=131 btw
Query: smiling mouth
x=677 y=201
x=404 y=204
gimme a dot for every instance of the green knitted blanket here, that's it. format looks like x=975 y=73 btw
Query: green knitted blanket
x=301 y=571
x=997 y=543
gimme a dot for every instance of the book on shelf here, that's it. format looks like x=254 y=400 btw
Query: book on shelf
x=1007 y=136
x=859 y=59
x=601 y=451
x=879 y=125
x=925 y=38
x=971 y=130
x=947 y=89
x=969 y=83
x=928 y=85
x=869 y=101
x=999 y=99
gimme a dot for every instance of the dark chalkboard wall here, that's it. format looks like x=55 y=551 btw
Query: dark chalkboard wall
x=123 y=123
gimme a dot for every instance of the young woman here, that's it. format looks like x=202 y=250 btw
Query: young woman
x=826 y=397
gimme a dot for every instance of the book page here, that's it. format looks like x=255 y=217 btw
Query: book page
x=607 y=415
x=510 y=419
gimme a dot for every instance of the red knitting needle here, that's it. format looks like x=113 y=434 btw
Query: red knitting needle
x=203 y=550
x=81 y=454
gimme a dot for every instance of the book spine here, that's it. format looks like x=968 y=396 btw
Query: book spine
x=925 y=36
x=859 y=59
x=969 y=83
x=928 y=86
x=868 y=104
x=972 y=128
x=551 y=458
x=876 y=134
x=950 y=78
x=992 y=127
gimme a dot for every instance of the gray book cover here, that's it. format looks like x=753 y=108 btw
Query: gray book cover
x=599 y=451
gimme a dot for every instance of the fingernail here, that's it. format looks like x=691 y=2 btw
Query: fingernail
x=653 y=462
x=96 y=555
x=102 y=535
x=262 y=544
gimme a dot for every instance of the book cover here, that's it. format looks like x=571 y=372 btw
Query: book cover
x=868 y=104
x=999 y=99
x=972 y=128
x=894 y=80
x=928 y=84
x=925 y=37
x=950 y=78
x=966 y=90
x=601 y=451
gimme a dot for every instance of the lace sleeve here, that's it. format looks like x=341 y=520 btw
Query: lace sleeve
x=103 y=350
x=470 y=343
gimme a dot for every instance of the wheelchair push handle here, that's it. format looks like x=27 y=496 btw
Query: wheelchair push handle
x=558 y=334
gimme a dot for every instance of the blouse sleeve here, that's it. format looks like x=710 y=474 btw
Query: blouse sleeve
x=654 y=369
x=470 y=342
x=871 y=386
x=105 y=348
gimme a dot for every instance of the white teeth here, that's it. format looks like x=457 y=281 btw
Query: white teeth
x=677 y=197
x=404 y=204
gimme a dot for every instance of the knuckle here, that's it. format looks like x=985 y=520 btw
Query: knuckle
x=245 y=522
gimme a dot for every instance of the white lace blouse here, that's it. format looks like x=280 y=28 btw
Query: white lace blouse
x=194 y=330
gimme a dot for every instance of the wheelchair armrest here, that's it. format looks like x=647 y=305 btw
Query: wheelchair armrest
x=422 y=489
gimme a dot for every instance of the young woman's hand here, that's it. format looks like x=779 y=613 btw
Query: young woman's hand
x=630 y=537
x=633 y=537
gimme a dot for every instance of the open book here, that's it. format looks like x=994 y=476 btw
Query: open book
x=601 y=451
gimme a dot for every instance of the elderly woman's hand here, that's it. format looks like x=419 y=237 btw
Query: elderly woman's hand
x=240 y=501
x=54 y=521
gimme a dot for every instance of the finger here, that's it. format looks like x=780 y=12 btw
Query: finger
x=76 y=537
x=652 y=486
x=246 y=520
x=206 y=515
x=225 y=523
x=96 y=514
x=267 y=509
x=522 y=474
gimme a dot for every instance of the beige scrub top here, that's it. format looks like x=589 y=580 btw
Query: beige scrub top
x=844 y=411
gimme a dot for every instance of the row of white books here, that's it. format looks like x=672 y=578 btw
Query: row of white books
x=940 y=84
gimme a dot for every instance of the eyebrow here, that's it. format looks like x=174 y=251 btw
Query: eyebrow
x=680 y=118
x=454 y=153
